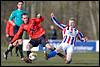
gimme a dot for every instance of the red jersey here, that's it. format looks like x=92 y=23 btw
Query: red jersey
x=33 y=29
x=9 y=29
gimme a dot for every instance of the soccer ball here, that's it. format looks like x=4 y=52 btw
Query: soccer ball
x=32 y=56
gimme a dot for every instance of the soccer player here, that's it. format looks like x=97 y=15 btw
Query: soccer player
x=16 y=17
x=10 y=35
x=69 y=38
x=34 y=30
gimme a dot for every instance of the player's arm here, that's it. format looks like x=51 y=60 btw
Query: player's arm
x=20 y=31
x=7 y=29
x=40 y=17
x=37 y=20
x=55 y=21
x=12 y=16
x=81 y=37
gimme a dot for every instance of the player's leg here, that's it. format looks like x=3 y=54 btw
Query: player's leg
x=69 y=58
x=69 y=55
x=49 y=47
x=29 y=49
x=20 y=41
x=32 y=43
x=10 y=38
x=53 y=53
x=20 y=47
x=28 y=46
x=10 y=47
x=11 y=52
x=16 y=50
x=46 y=44
x=43 y=41
x=16 y=44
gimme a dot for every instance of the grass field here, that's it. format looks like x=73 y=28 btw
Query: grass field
x=79 y=59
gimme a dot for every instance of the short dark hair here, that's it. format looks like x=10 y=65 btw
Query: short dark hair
x=19 y=1
x=24 y=14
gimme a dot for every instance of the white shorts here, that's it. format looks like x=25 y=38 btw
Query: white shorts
x=66 y=48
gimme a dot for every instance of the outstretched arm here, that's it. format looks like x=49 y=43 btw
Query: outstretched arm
x=7 y=29
x=55 y=21
x=41 y=19
x=81 y=37
x=20 y=31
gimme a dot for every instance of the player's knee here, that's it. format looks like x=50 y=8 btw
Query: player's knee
x=14 y=43
x=20 y=41
x=58 y=49
x=48 y=46
x=69 y=56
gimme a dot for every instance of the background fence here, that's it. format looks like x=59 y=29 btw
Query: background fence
x=91 y=45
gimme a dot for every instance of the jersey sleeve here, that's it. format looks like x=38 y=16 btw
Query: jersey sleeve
x=37 y=21
x=12 y=16
x=7 y=27
x=41 y=19
x=20 y=31
x=80 y=36
x=55 y=21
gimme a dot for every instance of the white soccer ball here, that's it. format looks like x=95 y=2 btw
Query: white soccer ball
x=32 y=56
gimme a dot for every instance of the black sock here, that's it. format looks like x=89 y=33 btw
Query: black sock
x=16 y=50
x=10 y=47
x=21 y=50
x=59 y=54
x=11 y=52
x=28 y=52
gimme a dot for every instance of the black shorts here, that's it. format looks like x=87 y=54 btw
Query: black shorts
x=16 y=28
x=36 y=42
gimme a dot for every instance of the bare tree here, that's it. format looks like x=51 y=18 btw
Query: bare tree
x=92 y=20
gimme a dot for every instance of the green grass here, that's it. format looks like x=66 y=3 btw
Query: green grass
x=79 y=59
